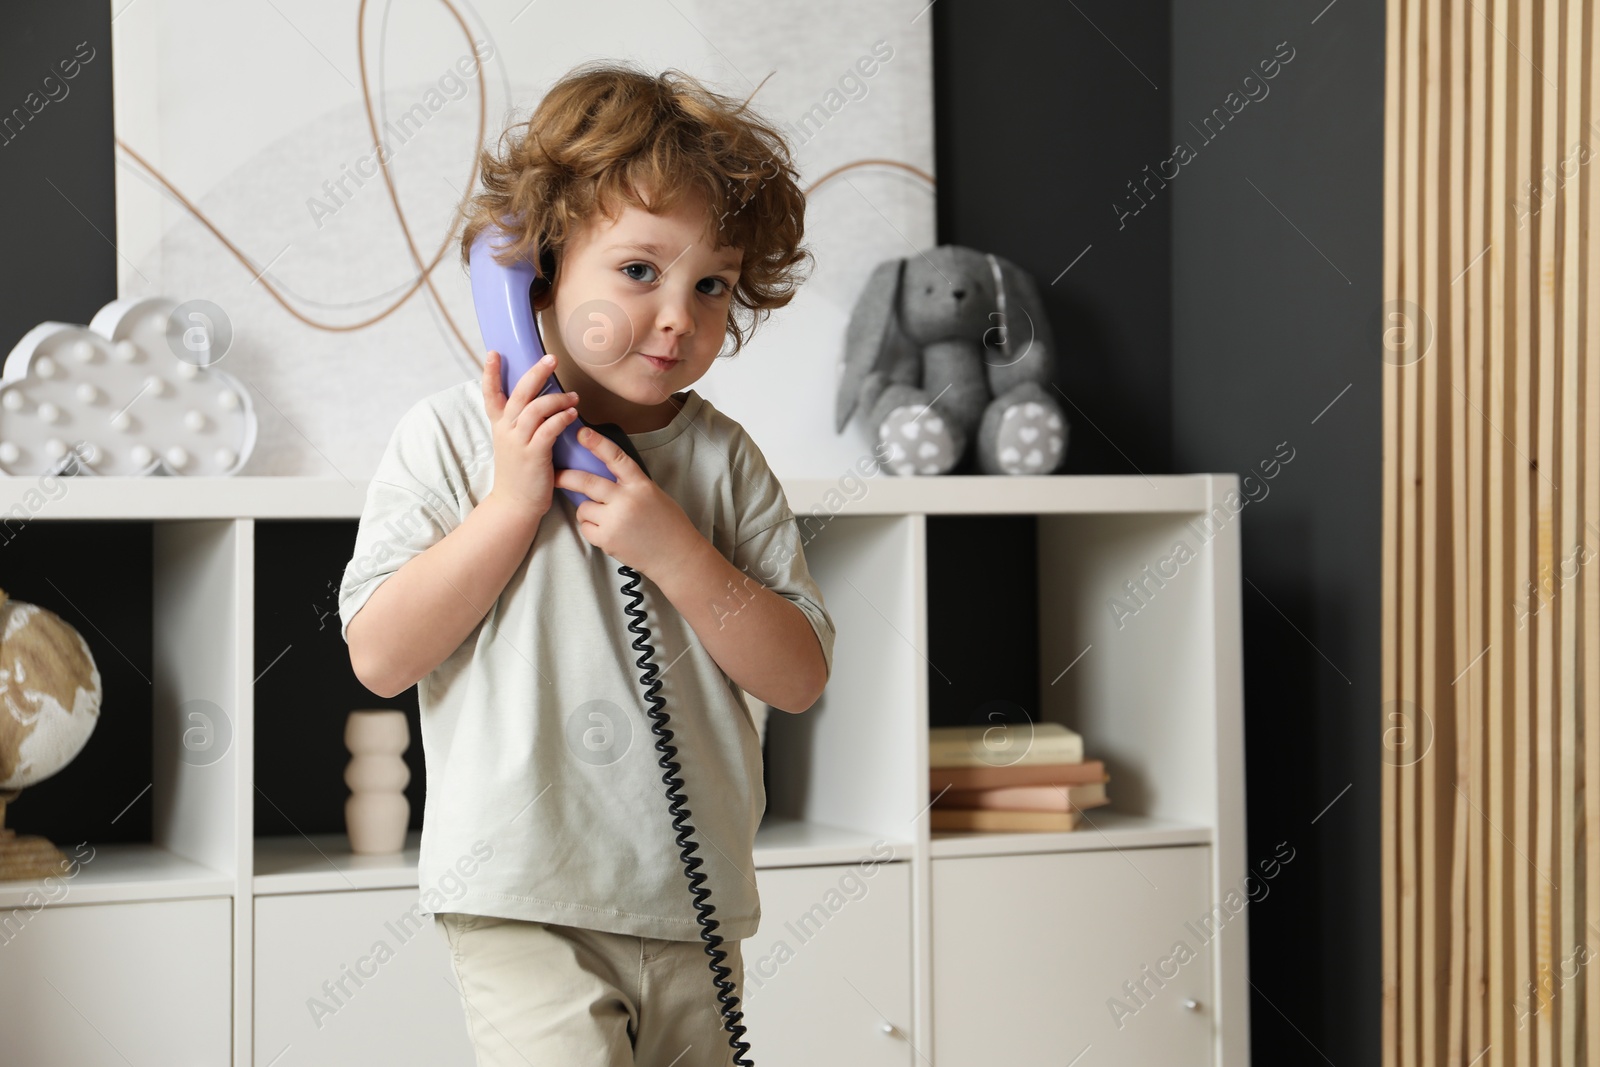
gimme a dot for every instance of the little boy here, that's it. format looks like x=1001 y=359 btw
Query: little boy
x=654 y=206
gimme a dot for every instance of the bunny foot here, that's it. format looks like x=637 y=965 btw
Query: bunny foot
x=1030 y=440
x=920 y=441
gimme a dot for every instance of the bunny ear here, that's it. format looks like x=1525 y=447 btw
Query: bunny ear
x=867 y=347
x=1025 y=318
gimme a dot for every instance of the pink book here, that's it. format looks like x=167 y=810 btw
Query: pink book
x=1025 y=798
x=1017 y=774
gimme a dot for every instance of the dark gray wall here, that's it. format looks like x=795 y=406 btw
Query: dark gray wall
x=56 y=257
x=57 y=263
x=1040 y=124
x=1277 y=272
x=1200 y=334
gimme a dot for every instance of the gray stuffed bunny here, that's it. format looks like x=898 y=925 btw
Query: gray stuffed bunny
x=949 y=347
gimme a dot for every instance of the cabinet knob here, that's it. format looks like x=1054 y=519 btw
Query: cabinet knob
x=888 y=1028
x=1192 y=1005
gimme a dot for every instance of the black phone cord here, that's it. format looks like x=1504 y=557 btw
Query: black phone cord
x=732 y=1016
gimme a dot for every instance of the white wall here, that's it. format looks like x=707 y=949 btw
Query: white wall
x=248 y=109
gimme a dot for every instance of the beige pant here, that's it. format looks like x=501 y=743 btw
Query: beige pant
x=538 y=994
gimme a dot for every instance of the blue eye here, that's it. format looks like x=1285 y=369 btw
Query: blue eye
x=645 y=266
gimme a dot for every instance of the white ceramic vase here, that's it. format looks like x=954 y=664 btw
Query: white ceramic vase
x=377 y=812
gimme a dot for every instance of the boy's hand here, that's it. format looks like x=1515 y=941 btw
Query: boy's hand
x=632 y=519
x=525 y=428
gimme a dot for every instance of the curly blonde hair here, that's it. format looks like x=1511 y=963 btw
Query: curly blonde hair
x=605 y=131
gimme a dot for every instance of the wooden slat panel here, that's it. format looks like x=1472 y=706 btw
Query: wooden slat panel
x=1496 y=660
x=1472 y=686
x=1491 y=535
x=1590 y=372
x=1452 y=797
x=1453 y=917
x=1406 y=578
x=1568 y=505
x=1426 y=551
x=1394 y=729
x=1522 y=310
x=1547 y=151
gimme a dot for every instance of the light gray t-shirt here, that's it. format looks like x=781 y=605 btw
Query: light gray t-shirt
x=535 y=730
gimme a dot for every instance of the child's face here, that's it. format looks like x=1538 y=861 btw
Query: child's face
x=616 y=305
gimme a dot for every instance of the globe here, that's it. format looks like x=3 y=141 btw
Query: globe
x=49 y=704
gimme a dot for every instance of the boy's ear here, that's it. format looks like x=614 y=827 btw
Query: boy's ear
x=543 y=284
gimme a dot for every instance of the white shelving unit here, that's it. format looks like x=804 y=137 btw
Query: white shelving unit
x=917 y=947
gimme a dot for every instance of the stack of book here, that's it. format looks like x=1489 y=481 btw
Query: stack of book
x=1012 y=777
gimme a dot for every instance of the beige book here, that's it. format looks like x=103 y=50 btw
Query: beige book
x=1003 y=745
x=1002 y=821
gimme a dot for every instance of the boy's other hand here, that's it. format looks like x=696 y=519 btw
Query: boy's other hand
x=632 y=519
x=526 y=426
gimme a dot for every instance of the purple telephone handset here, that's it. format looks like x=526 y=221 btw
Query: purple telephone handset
x=503 y=298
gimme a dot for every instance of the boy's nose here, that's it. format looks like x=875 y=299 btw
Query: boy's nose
x=675 y=315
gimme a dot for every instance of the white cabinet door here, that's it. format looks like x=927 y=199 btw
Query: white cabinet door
x=106 y=985
x=1038 y=957
x=354 y=977
x=827 y=977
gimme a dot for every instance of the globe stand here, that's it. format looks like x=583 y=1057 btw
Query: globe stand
x=25 y=858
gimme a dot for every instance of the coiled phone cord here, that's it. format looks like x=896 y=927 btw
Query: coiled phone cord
x=731 y=1013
